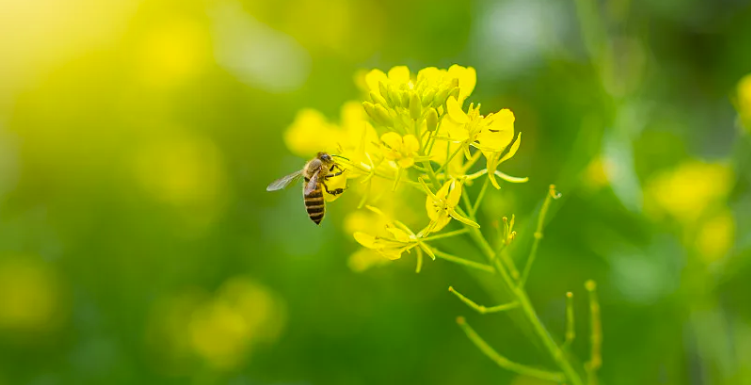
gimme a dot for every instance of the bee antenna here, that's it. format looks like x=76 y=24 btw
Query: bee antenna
x=339 y=156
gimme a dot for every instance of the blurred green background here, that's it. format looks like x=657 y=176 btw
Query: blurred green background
x=138 y=245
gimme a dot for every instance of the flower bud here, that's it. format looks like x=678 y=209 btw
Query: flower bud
x=382 y=115
x=415 y=107
x=454 y=92
x=393 y=97
x=405 y=96
x=431 y=119
x=428 y=96
x=440 y=97
x=378 y=99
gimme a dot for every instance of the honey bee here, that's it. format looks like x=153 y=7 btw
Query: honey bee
x=316 y=172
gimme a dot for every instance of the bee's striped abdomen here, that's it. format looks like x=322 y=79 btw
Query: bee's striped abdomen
x=315 y=205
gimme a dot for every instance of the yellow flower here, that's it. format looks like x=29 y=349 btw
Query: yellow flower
x=402 y=150
x=744 y=101
x=441 y=206
x=310 y=133
x=390 y=246
x=392 y=239
x=492 y=134
x=405 y=103
x=715 y=236
x=689 y=191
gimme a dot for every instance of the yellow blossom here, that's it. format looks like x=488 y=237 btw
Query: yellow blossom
x=687 y=192
x=401 y=149
x=744 y=101
x=493 y=135
x=715 y=236
x=392 y=239
x=441 y=206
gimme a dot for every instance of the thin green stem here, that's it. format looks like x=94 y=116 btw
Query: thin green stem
x=472 y=161
x=450 y=158
x=480 y=308
x=464 y=262
x=529 y=312
x=595 y=360
x=552 y=194
x=446 y=235
x=473 y=210
x=503 y=361
x=570 y=326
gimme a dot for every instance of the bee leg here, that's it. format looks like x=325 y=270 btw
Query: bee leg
x=332 y=192
x=335 y=174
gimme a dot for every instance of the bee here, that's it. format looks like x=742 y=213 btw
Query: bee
x=316 y=172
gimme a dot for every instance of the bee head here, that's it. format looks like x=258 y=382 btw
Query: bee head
x=324 y=157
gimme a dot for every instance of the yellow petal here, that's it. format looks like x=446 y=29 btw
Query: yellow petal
x=432 y=208
x=392 y=253
x=399 y=74
x=406 y=162
x=427 y=74
x=457 y=132
x=444 y=191
x=399 y=234
x=455 y=112
x=514 y=148
x=393 y=140
x=454 y=194
x=310 y=133
x=411 y=145
x=441 y=222
x=365 y=239
x=373 y=78
x=467 y=79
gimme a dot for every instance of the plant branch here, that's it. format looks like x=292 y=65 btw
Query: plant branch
x=480 y=308
x=462 y=261
x=503 y=361
x=552 y=194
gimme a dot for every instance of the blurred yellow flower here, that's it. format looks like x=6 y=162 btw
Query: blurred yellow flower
x=401 y=149
x=686 y=192
x=186 y=172
x=30 y=297
x=744 y=101
x=441 y=206
x=310 y=133
x=173 y=52
x=715 y=236
x=365 y=259
x=221 y=329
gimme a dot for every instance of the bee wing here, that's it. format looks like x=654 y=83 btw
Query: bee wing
x=284 y=181
x=311 y=186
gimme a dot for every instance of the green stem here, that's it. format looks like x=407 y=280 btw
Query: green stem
x=503 y=361
x=570 y=327
x=538 y=234
x=472 y=161
x=520 y=296
x=446 y=235
x=473 y=210
x=465 y=262
x=480 y=308
x=450 y=158
x=595 y=360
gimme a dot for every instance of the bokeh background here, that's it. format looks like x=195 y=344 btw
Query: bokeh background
x=138 y=245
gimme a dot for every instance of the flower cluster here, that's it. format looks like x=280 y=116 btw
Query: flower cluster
x=412 y=132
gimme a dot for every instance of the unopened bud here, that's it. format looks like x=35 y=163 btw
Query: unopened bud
x=428 y=96
x=376 y=98
x=440 y=98
x=415 y=106
x=431 y=119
